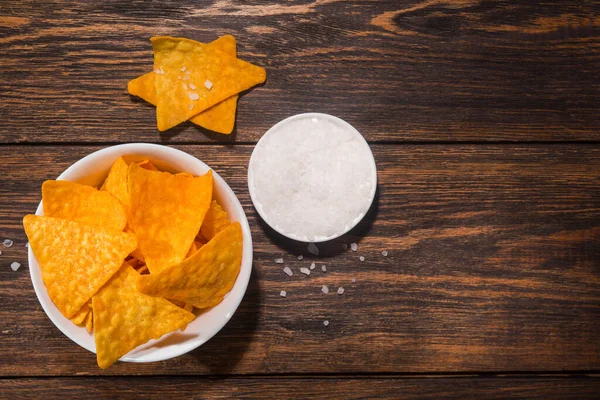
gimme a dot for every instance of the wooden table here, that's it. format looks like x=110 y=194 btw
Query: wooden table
x=483 y=119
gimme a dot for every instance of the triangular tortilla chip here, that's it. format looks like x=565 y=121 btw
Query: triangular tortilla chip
x=83 y=312
x=89 y=321
x=220 y=117
x=166 y=213
x=216 y=76
x=116 y=182
x=125 y=318
x=81 y=203
x=215 y=221
x=147 y=164
x=75 y=259
x=203 y=279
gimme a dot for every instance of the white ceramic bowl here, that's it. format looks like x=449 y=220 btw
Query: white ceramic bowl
x=92 y=170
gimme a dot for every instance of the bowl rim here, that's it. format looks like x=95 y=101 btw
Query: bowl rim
x=336 y=120
x=229 y=304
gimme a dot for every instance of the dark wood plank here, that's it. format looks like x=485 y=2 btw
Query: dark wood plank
x=412 y=70
x=492 y=266
x=323 y=388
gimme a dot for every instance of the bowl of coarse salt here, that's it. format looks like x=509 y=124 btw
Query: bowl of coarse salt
x=312 y=177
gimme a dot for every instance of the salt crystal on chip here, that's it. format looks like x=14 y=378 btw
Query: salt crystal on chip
x=312 y=266
x=15 y=266
x=193 y=96
x=313 y=249
x=7 y=243
x=340 y=290
x=279 y=261
x=283 y=293
x=192 y=86
x=361 y=258
x=354 y=246
x=288 y=271
x=183 y=69
x=305 y=271
x=326 y=322
x=384 y=253
x=325 y=289
x=208 y=84
x=323 y=268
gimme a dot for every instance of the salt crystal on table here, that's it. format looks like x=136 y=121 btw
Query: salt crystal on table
x=312 y=266
x=340 y=290
x=361 y=258
x=288 y=271
x=353 y=280
x=283 y=293
x=325 y=289
x=313 y=249
x=326 y=322
x=279 y=261
x=7 y=243
x=384 y=253
x=0 y=252
x=323 y=268
x=300 y=257
x=354 y=246
x=15 y=266
x=305 y=271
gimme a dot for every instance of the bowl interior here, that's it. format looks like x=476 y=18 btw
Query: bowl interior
x=92 y=170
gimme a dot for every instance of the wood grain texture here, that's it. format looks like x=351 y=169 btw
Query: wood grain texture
x=492 y=266
x=451 y=70
x=324 y=388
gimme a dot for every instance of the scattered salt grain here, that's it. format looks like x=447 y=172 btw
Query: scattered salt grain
x=305 y=271
x=384 y=253
x=185 y=86
x=361 y=258
x=288 y=271
x=7 y=243
x=191 y=106
x=183 y=69
x=159 y=71
x=300 y=257
x=178 y=76
x=0 y=252
x=188 y=72
x=313 y=249
x=354 y=246
x=193 y=96
x=279 y=261
x=353 y=280
x=192 y=86
x=208 y=84
x=283 y=293
x=326 y=322
x=15 y=266
x=312 y=266
x=323 y=268
x=27 y=244
x=325 y=289
x=340 y=290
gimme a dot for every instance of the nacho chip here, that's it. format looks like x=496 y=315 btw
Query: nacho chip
x=192 y=250
x=220 y=117
x=215 y=74
x=215 y=221
x=137 y=253
x=166 y=213
x=81 y=203
x=116 y=182
x=125 y=318
x=82 y=314
x=142 y=270
x=205 y=277
x=146 y=164
x=75 y=259
x=89 y=321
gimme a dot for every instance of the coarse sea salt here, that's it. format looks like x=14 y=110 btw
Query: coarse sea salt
x=313 y=249
x=279 y=261
x=300 y=257
x=325 y=289
x=15 y=266
x=384 y=253
x=283 y=293
x=305 y=271
x=312 y=266
x=7 y=243
x=324 y=268
x=288 y=271
x=326 y=322
x=312 y=177
x=361 y=258
x=354 y=247
x=340 y=290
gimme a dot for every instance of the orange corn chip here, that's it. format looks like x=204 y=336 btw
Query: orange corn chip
x=137 y=253
x=215 y=75
x=89 y=321
x=75 y=259
x=147 y=165
x=214 y=221
x=82 y=314
x=82 y=203
x=116 y=182
x=125 y=318
x=192 y=250
x=220 y=117
x=166 y=213
x=205 y=277
x=142 y=270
